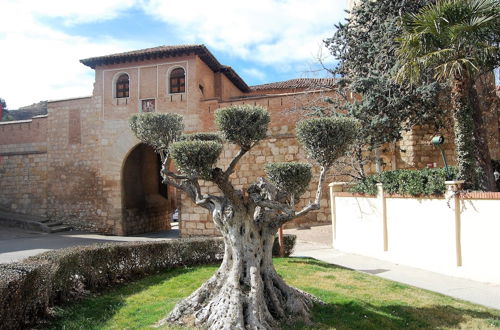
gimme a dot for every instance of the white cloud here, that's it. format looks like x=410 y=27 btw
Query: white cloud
x=266 y=31
x=39 y=62
x=255 y=73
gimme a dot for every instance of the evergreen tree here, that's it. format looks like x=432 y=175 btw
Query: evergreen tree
x=366 y=48
x=458 y=40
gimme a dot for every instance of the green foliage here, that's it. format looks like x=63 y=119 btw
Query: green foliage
x=365 y=47
x=290 y=177
x=423 y=182
x=243 y=125
x=195 y=158
x=459 y=41
x=202 y=136
x=455 y=38
x=158 y=130
x=326 y=139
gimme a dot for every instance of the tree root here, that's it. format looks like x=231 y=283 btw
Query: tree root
x=222 y=303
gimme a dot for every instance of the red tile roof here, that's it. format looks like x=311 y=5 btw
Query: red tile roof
x=301 y=83
x=169 y=51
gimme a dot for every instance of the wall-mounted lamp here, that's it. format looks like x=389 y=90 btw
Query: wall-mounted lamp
x=438 y=140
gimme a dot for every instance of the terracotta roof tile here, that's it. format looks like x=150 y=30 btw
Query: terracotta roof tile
x=301 y=83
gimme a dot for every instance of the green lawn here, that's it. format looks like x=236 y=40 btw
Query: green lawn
x=354 y=301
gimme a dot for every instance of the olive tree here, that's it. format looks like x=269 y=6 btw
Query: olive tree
x=245 y=292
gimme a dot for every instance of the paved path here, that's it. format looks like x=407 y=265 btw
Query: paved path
x=316 y=243
x=16 y=244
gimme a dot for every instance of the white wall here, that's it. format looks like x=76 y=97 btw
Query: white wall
x=424 y=233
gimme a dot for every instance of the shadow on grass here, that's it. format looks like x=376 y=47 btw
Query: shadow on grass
x=307 y=261
x=356 y=316
x=95 y=310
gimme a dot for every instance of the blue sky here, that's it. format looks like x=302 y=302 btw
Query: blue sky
x=41 y=42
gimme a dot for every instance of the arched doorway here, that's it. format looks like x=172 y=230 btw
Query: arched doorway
x=147 y=204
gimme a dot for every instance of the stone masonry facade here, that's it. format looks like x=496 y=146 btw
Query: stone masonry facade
x=82 y=165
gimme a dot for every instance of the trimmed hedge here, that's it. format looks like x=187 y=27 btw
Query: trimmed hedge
x=423 y=182
x=29 y=288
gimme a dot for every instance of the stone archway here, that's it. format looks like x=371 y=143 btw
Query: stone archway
x=147 y=204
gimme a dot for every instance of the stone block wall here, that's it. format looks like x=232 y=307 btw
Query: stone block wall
x=75 y=185
x=23 y=178
x=23 y=166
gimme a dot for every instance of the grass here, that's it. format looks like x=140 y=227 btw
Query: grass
x=354 y=301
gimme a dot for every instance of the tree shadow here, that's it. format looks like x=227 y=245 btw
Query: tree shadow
x=351 y=315
x=307 y=261
x=95 y=310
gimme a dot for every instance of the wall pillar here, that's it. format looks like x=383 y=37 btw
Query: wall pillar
x=335 y=187
x=454 y=201
x=383 y=213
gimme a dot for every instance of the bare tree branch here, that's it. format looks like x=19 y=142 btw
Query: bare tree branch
x=235 y=161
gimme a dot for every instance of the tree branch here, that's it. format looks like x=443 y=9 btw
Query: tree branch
x=189 y=185
x=235 y=161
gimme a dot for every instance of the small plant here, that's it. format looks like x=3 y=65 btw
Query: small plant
x=423 y=182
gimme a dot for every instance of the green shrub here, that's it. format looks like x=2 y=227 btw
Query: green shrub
x=292 y=178
x=157 y=129
x=289 y=241
x=202 y=136
x=243 y=125
x=195 y=158
x=423 y=182
x=29 y=288
x=327 y=138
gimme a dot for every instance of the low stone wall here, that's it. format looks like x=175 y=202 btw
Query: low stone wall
x=455 y=234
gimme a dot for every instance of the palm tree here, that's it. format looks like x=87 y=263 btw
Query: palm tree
x=459 y=41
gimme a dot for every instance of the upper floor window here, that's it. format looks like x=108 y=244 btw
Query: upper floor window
x=177 y=81
x=122 y=86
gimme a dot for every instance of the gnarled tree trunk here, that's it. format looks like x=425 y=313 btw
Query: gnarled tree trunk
x=246 y=292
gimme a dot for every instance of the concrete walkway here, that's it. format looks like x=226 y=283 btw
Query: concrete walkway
x=316 y=243
x=17 y=244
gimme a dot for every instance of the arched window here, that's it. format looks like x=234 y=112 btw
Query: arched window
x=122 y=84
x=177 y=81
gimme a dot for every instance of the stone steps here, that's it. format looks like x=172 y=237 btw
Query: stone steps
x=31 y=222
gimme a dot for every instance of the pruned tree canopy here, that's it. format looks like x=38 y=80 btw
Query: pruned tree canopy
x=290 y=177
x=158 y=130
x=195 y=158
x=243 y=125
x=327 y=138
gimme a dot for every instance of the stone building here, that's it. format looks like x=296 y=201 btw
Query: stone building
x=82 y=165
